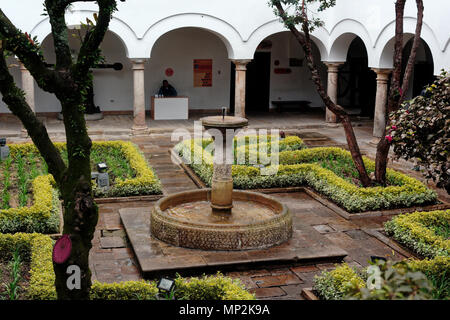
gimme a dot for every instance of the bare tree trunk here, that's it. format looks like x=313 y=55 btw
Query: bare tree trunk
x=398 y=87
x=305 y=41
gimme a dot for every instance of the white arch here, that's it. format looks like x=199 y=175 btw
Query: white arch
x=384 y=45
x=319 y=37
x=116 y=26
x=227 y=33
x=342 y=35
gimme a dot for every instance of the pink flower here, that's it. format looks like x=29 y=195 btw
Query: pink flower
x=389 y=139
x=394 y=127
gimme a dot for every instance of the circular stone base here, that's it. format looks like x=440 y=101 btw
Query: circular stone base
x=213 y=236
x=87 y=117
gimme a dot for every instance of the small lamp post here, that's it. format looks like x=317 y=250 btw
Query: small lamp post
x=103 y=176
x=4 y=149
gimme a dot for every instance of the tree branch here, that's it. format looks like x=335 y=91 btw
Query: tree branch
x=28 y=53
x=89 y=51
x=15 y=100
x=305 y=41
x=56 y=11
x=412 y=56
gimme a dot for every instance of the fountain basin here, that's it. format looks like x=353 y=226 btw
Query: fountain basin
x=258 y=221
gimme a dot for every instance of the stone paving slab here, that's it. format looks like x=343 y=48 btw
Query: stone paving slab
x=155 y=256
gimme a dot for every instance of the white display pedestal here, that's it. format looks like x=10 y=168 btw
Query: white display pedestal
x=170 y=108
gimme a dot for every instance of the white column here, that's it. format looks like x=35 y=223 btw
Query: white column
x=239 y=101
x=28 y=86
x=379 y=122
x=139 y=124
x=332 y=88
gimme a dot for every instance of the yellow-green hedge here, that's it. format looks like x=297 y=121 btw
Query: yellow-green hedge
x=42 y=216
x=37 y=250
x=413 y=230
x=296 y=169
x=145 y=182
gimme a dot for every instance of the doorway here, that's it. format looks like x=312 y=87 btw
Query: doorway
x=257 y=90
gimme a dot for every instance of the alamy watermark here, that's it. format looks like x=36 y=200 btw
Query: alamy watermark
x=258 y=148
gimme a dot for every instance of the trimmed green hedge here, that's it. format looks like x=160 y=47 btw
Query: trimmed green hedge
x=300 y=168
x=340 y=282
x=417 y=231
x=37 y=250
x=42 y=216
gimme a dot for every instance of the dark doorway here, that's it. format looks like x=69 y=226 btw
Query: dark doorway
x=357 y=83
x=423 y=67
x=257 y=93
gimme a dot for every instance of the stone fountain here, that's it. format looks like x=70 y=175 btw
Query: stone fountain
x=221 y=218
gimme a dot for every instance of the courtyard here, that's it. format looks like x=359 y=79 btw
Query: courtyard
x=323 y=237
x=249 y=151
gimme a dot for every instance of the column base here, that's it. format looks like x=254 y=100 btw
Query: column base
x=374 y=142
x=140 y=130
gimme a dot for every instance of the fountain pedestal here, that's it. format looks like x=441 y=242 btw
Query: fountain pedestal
x=222 y=180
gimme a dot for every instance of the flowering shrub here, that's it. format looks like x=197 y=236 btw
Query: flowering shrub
x=300 y=167
x=421 y=130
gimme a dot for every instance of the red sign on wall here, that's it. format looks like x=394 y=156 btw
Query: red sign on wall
x=203 y=73
x=169 y=72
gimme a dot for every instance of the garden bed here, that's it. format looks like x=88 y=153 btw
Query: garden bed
x=14 y=276
x=328 y=171
x=37 y=250
x=29 y=198
x=426 y=234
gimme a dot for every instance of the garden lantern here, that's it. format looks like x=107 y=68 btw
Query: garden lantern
x=102 y=176
x=4 y=149
x=165 y=285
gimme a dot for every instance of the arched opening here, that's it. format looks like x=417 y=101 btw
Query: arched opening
x=423 y=68
x=14 y=69
x=357 y=82
x=278 y=77
x=175 y=58
x=112 y=88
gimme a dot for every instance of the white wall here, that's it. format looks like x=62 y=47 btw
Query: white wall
x=112 y=89
x=15 y=72
x=296 y=85
x=239 y=26
x=177 y=50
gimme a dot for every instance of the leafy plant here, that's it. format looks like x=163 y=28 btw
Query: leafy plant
x=15 y=266
x=394 y=281
x=420 y=130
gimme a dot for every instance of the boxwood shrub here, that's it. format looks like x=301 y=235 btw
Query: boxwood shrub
x=300 y=168
x=426 y=233
x=36 y=249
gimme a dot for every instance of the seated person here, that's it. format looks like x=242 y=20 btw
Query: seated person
x=167 y=90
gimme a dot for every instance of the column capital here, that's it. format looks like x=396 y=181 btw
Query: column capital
x=333 y=67
x=22 y=67
x=241 y=64
x=382 y=74
x=138 y=64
